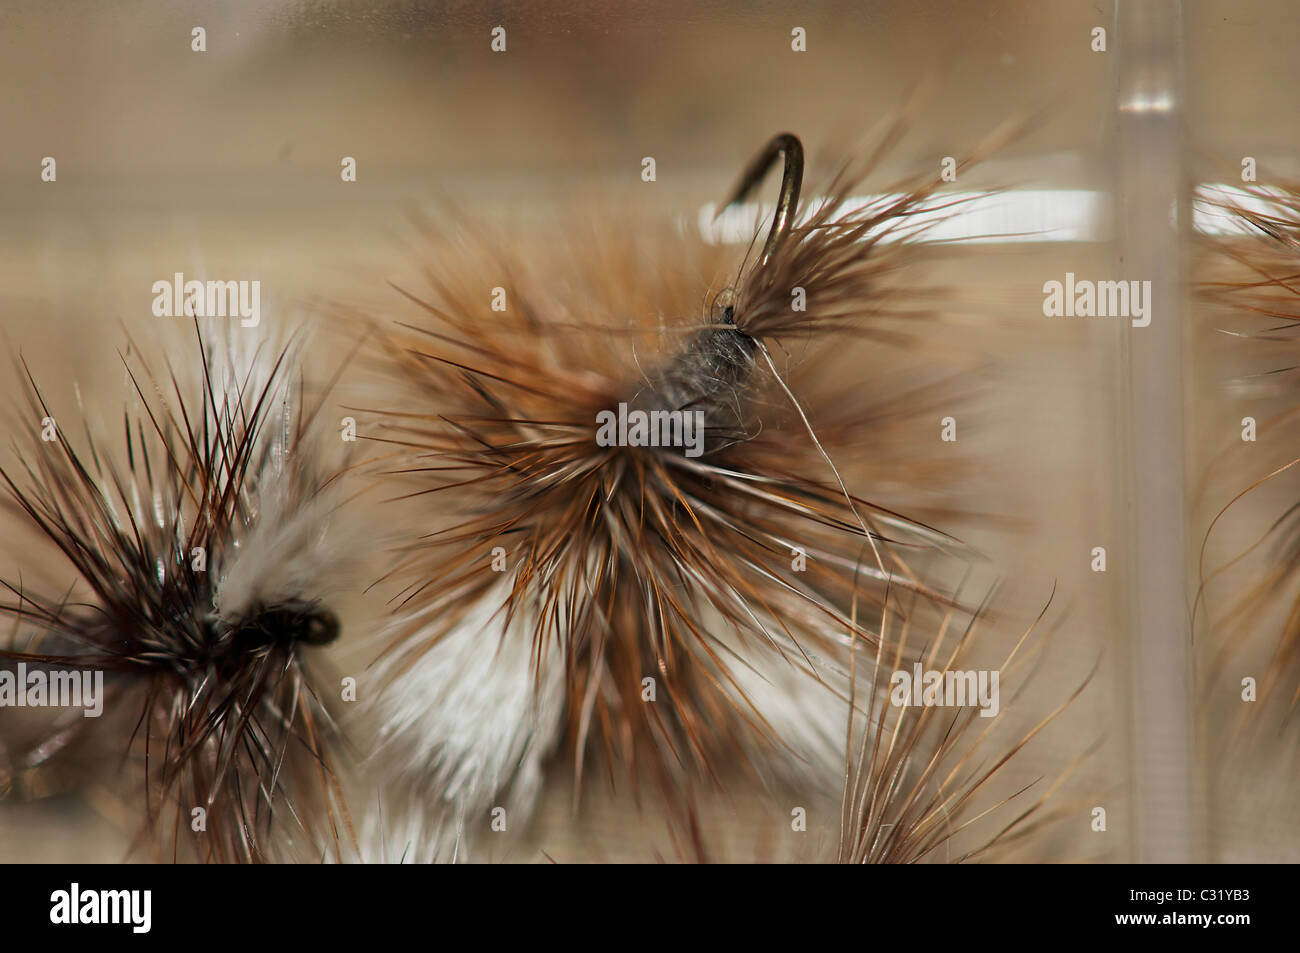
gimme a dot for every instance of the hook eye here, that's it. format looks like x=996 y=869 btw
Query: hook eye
x=723 y=309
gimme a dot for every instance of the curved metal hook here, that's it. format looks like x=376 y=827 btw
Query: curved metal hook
x=786 y=144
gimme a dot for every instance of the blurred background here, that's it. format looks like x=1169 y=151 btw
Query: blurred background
x=227 y=162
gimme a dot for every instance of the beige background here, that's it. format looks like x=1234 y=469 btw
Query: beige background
x=227 y=162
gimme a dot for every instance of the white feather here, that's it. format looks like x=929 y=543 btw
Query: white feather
x=466 y=728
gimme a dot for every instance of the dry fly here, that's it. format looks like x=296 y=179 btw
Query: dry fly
x=916 y=774
x=1264 y=287
x=673 y=605
x=200 y=559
